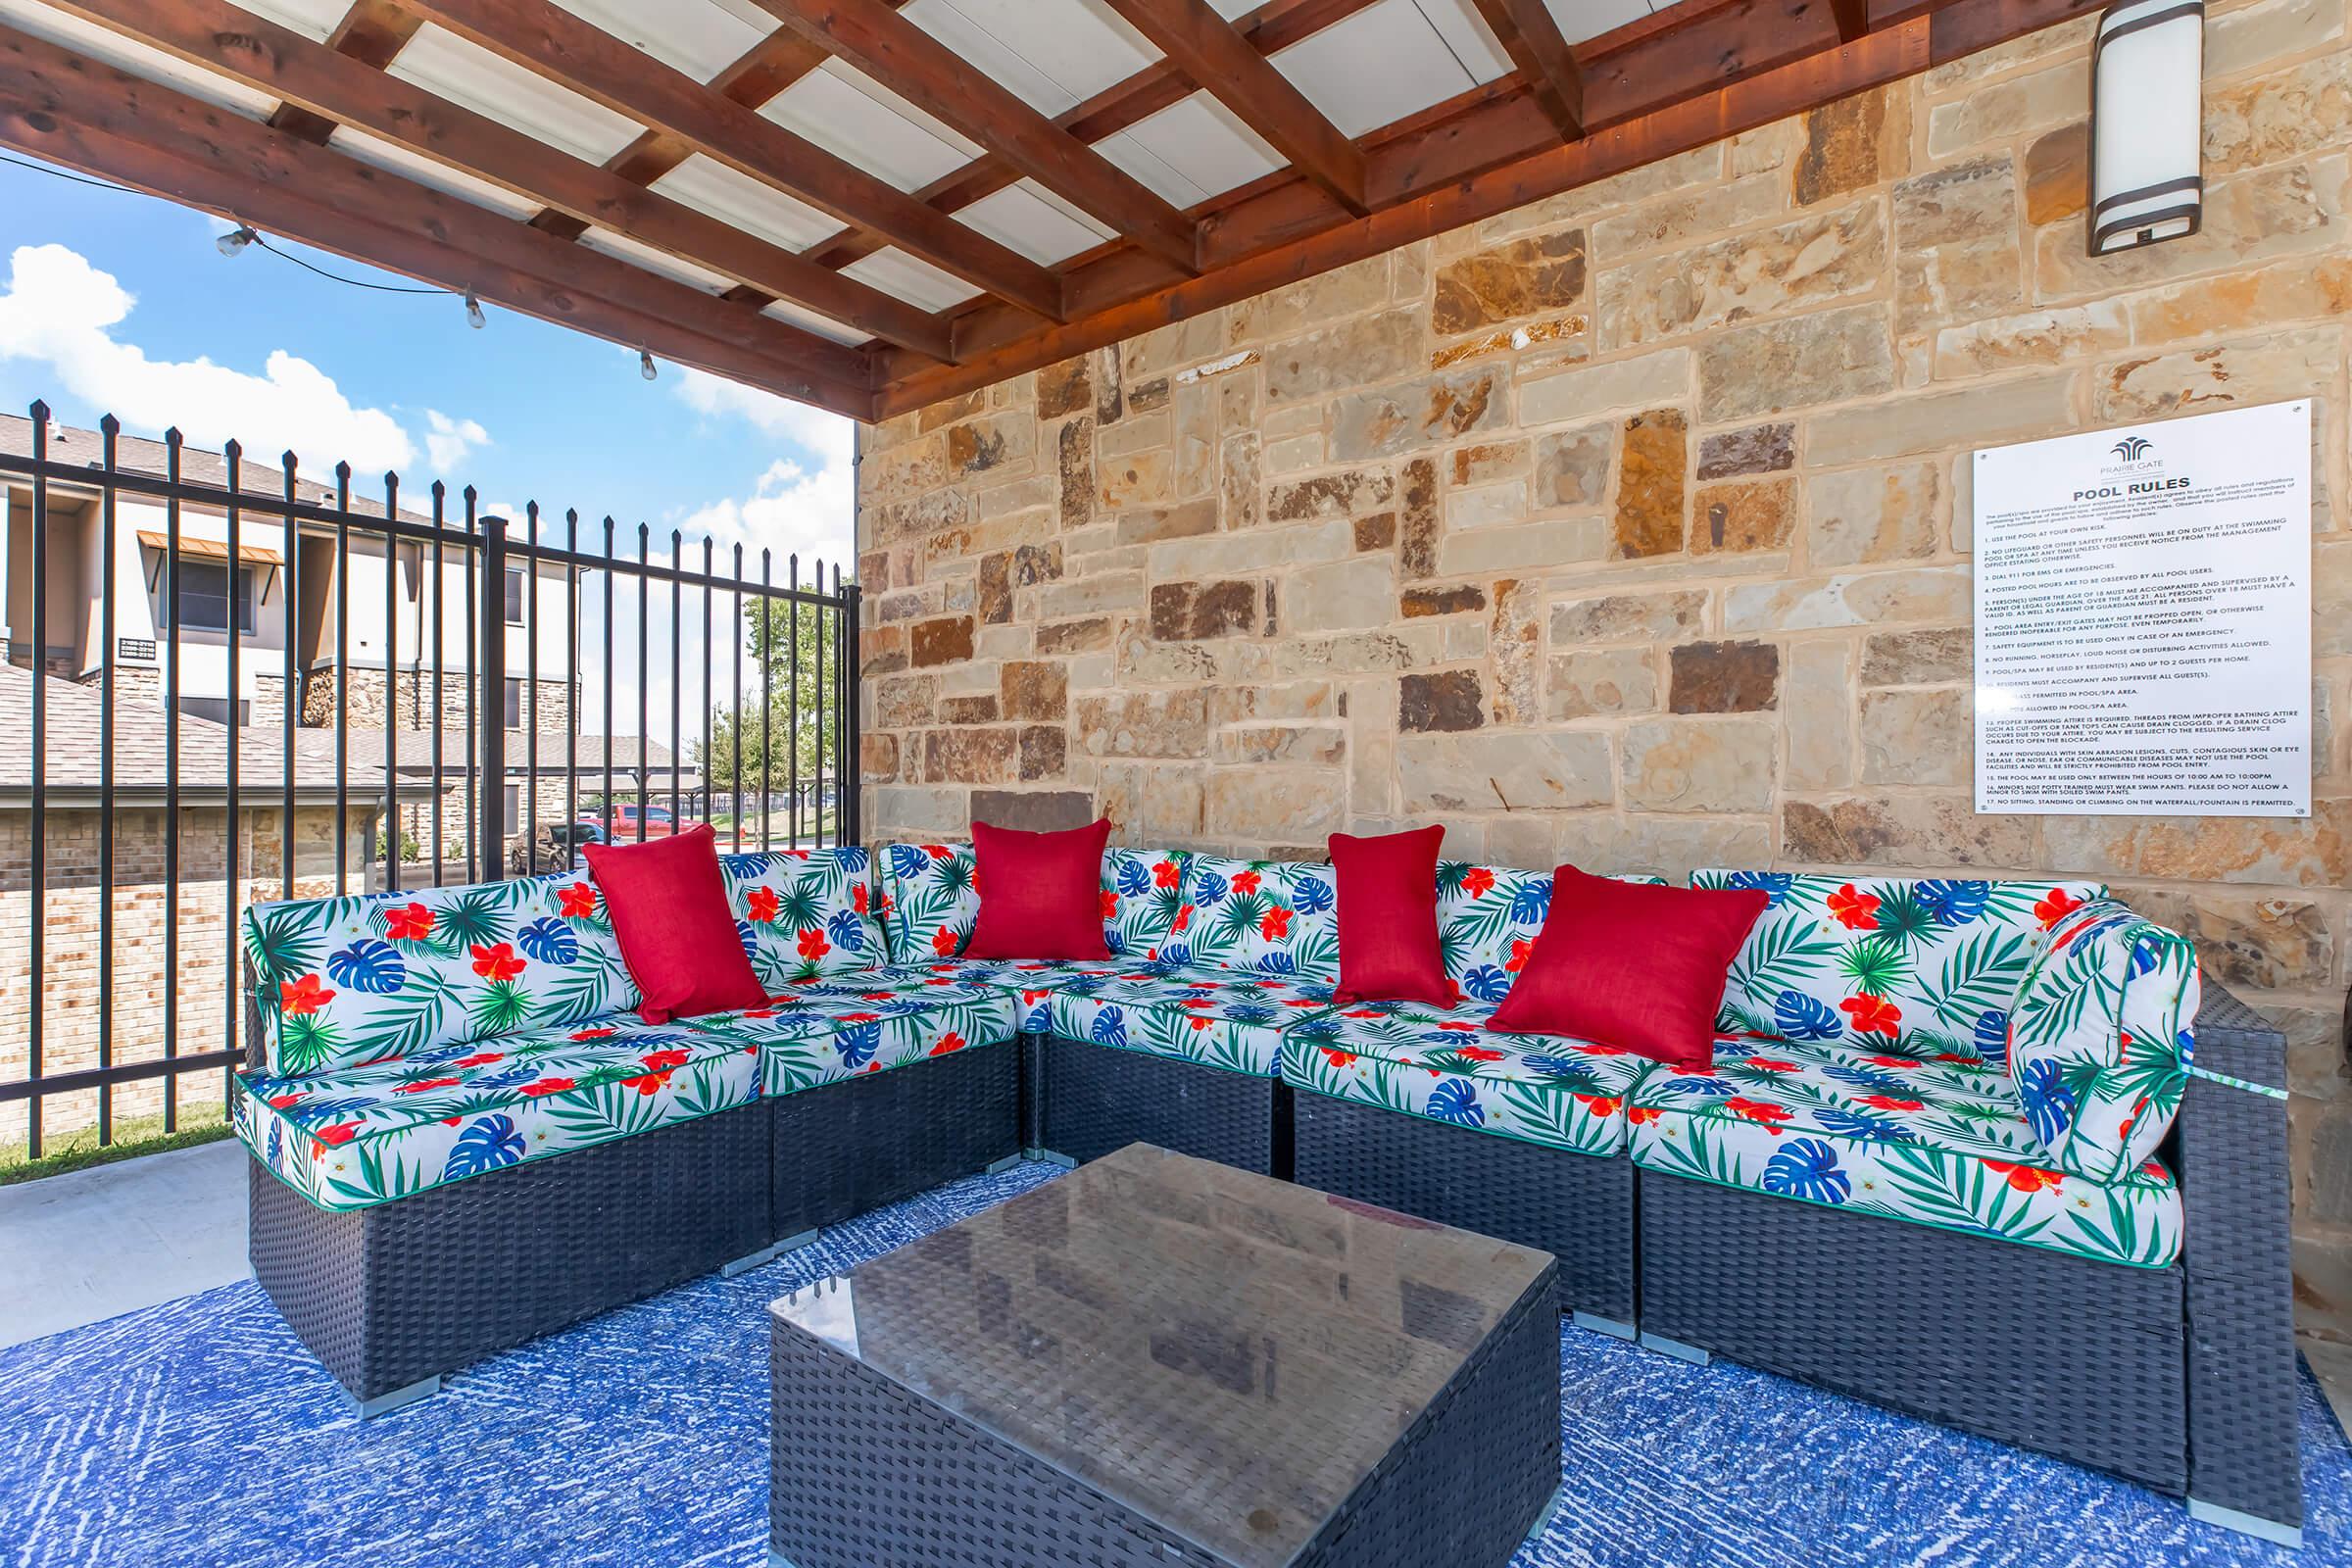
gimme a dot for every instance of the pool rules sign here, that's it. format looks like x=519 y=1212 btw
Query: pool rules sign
x=2143 y=619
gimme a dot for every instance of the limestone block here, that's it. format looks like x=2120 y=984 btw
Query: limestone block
x=1546 y=771
x=1699 y=764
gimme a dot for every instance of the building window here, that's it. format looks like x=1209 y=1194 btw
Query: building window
x=513 y=703
x=514 y=596
x=203 y=590
x=513 y=805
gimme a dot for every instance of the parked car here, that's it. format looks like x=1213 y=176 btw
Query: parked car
x=557 y=848
x=621 y=826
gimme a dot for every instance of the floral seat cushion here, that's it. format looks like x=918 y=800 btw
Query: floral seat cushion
x=804 y=913
x=342 y=982
x=1488 y=919
x=1217 y=1017
x=1925 y=966
x=1032 y=981
x=351 y=1136
x=1934 y=1141
x=823 y=1031
x=931 y=896
x=1444 y=1063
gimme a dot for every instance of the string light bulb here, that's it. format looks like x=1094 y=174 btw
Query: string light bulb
x=645 y=363
x=236 y=239
x=473 y=312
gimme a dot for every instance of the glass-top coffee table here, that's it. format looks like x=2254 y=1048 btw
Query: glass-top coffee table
x=1158 y=1359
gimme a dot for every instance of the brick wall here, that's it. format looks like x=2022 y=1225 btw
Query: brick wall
x=1632 y=528
x=73 y=953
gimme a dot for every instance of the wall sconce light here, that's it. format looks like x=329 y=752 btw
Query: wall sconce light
x=2147 y=124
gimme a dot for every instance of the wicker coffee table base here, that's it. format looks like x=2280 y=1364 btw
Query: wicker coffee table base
x=863 y=1472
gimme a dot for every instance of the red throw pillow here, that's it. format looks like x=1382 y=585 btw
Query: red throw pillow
x=669 y=913
x=1631 y=966
x=1041 y=894
x=1388 y=917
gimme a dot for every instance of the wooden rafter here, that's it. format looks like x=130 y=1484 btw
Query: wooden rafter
x=554 y=45
x=1212 y=52
x=83 y=114
x=1269 y=30
x=1531 y=36
x=919 y=68
x=371 y=32
x=331 y=86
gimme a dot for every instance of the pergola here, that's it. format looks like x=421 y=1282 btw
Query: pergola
x=873 y=205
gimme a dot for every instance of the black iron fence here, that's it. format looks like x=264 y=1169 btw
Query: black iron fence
x=210 y=700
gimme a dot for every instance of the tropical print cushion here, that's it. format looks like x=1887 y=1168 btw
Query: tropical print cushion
x=356 y=1136
x=931 y=896
x=343 y=982
x=1927 y=967
x=2101 y=1038
x=1445 y=1064
x=1936 y=1140
x=825 y=1031
x=804 y=913
x=1032 y=981
x=1219 y=1017
x=1272 y=917
x=1488 y=920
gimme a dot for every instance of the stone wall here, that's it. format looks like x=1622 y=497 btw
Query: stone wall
x=1632 y=528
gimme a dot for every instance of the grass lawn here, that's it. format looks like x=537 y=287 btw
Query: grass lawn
x=133 y=1136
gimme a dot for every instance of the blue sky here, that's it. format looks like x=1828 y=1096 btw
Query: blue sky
x=111 y=300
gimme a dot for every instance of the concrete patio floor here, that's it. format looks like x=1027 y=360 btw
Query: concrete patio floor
x=93 y=1244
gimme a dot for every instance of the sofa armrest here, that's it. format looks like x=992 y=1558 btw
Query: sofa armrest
x=2244 y=1459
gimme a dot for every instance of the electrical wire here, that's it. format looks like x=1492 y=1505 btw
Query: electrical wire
x=262 y=240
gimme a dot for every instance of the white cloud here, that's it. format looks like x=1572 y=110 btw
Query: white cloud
x=789 y=512
x=447 y=441
x=824 y=435
x=62 y=312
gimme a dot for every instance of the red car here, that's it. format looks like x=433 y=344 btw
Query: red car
x=621 y=826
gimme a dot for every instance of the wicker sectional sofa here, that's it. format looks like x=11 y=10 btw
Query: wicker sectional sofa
x=1915 y=1097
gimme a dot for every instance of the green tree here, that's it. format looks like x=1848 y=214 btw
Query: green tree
x=803 y=680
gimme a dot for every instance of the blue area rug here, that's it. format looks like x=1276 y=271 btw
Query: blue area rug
x=200 y=1432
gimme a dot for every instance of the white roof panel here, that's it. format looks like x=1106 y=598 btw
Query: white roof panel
x=1382 y=64
x=1051 y=54
x=414 y=165
x=654 y=261
x=855 y=118
x=1190 y=150
x=1031 y=219
x=152 y=65
x=1579 y=20
x=911 y=279
x=747 y=204
x=441 y=62
x=316 y=19
x=808 y=321
x=1467 y=38
x=699 y=38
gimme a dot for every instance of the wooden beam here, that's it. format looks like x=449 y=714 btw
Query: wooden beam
x=917 y=67
x=1531 y=36
x=1853 y=18
x=554 y=45
x=1265 y=248
x=1270 y=29
x=334 y=87
x=83 y=114
x=372 y=33
x=1212 y=52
